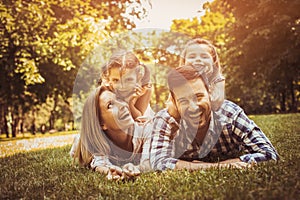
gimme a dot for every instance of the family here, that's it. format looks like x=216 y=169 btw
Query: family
x=121 y=136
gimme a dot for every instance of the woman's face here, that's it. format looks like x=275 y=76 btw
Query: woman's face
x=199 y=56
x=123 y=82
x=114 y=114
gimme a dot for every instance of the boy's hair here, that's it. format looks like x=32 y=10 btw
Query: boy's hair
x=213 y=52
x=183 y=74
x=123 y=59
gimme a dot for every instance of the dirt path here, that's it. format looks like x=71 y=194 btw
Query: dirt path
x=23 y=145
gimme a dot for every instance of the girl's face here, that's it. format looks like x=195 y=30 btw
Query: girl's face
x=199 y=56
x=123 y=82
x=114 y=114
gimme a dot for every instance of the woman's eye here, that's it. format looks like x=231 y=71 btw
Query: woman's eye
x=109 y=105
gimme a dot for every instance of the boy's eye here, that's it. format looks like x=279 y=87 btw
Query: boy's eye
x=129 y=79
x=115 y=80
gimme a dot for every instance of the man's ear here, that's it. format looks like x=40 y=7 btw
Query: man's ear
x=172 y=107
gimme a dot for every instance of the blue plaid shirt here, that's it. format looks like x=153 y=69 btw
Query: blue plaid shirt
x=230 y=131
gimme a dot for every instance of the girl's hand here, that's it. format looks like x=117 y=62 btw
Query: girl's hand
x=130 y=171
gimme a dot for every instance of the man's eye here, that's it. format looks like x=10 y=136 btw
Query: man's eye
x=183 y=101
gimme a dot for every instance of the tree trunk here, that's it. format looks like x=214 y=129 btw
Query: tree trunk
x=294 y=103
x=52 y=115
x=282 y=102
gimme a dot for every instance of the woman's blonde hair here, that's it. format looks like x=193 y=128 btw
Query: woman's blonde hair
x=93 y=140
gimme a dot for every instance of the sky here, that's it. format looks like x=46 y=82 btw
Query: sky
x=164 y=11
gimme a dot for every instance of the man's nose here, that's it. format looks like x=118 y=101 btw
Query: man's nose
x=193 y=106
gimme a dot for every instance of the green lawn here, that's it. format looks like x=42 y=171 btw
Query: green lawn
x=49 y=174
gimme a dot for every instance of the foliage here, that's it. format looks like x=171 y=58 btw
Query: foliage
x=51 y=174
x=258 y=44
x=43 y=44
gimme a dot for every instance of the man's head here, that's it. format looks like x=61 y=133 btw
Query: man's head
x=189 y=91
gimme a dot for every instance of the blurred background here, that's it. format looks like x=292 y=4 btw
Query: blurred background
x=52 y=51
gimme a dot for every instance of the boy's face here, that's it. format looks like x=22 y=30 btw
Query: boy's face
x=199 y=56
x=193 y=103
x=123 y=82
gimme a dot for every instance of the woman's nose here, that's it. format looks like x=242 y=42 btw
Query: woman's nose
x=121 y=103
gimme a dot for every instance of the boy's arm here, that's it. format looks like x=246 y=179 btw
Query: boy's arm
x=138 y=104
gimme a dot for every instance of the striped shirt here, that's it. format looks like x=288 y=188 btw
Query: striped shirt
x=230 y=131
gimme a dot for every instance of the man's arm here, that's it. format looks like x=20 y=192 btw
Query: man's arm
x=254 y=140
x=161 y=149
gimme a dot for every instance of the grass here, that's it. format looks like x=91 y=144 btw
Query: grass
x=49 y=174
x=28 y=135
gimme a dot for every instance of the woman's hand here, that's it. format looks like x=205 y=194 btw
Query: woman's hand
x=115 y=173
x=130 y=171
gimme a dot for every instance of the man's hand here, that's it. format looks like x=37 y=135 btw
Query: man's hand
x=236 y=163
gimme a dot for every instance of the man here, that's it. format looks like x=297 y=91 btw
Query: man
x=188 y=131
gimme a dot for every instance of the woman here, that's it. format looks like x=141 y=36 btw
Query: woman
x=111 y=142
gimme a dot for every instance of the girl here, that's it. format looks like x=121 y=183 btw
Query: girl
x=111 y=142
x=131 y=83
x=202 y=55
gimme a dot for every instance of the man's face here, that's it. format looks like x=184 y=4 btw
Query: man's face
x=193 y=103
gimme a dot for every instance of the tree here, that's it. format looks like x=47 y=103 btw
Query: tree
x=265 y=51
x=39 y=37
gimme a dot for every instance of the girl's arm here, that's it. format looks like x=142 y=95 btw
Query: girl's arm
x=217 y=94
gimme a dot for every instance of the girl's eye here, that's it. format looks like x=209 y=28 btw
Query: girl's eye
x=191 y=56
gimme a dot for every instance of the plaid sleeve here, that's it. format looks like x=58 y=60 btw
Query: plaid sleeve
x=100 y=161
x=162 y=143
x=254 y=140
